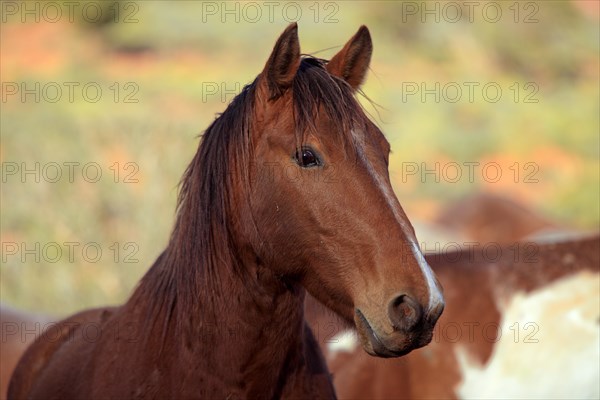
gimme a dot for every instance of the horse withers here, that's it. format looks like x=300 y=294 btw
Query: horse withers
x=220 y=313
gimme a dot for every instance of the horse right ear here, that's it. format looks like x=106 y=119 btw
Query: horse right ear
x=282 y=65
x=352 y=62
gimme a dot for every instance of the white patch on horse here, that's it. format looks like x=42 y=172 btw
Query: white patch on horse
x=344 y=342
x=548 y=347
x=435 y=295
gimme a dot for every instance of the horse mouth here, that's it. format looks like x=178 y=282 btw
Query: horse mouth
x=373 y=344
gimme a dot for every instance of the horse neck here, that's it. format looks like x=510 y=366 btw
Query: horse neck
x=242 y=336
x=258 y=336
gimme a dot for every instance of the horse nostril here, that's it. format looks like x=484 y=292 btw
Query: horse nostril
x=404 y=312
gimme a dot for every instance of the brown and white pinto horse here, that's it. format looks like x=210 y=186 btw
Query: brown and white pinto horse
x=487 y=217
x=289 y=191
x=480 y=294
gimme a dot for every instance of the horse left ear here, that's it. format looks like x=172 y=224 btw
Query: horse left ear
x=352 y=62
x=283 y=63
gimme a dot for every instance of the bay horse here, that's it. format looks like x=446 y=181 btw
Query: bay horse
x=478 y=290
x=288 y=192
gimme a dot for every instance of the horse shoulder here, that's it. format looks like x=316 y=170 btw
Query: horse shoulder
x=30 y=377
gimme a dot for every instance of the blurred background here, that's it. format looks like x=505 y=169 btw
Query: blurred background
x=103 y=104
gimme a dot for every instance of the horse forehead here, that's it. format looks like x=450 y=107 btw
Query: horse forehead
x=369 y=135
x=359 y=138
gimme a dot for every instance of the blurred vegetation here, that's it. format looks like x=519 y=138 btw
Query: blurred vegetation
x=171 y=50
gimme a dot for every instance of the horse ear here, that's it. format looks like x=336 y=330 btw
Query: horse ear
x=352 y=62
x=282 y=65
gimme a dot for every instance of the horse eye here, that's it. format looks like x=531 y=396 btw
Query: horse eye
x=307 y=158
